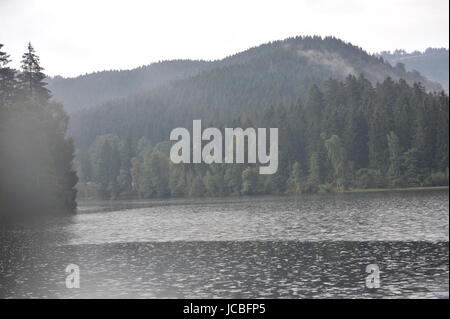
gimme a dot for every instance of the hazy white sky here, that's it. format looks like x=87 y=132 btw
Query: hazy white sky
x=73 y=37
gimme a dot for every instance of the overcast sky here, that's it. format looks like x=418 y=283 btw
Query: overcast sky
x=74 y=37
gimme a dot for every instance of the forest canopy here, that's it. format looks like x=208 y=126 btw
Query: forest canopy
x=349 y=135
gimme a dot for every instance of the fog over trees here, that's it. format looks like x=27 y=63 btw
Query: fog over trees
x=432 y=63
x=36 y=174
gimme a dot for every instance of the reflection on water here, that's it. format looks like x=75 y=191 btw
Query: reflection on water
x=238 y=248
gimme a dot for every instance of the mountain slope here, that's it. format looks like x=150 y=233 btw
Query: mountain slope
x=96 y=88
x=433 y=63
x=234 y=88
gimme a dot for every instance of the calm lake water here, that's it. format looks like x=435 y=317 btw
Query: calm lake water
x=260 y=247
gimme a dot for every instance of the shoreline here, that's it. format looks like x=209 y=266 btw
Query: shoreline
x=398 y=189
x=368 y=190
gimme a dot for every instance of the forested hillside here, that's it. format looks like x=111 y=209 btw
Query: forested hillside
x=235 y=87
x=432 y=63
x=348 y=135
x=346 y=120
x=337 y=58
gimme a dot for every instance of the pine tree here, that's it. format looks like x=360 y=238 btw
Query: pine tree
x=31 y=79
x=136 y=176
x=411 y=167
x=295 y=181
x=177 y=181
x=8 y=84
x=233 y=179
x=104 y=170
x=313 y=114
x=337 y=156
x=314 y=170
x=249 y=181
x=395 y=165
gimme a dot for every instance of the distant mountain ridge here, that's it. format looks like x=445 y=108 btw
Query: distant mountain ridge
x=92 y=89
x=432 y=63
x=341 y=59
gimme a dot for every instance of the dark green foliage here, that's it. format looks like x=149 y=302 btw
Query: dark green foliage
x=240 y=86
x=338 y=129
x=437 y=179
x=31 y=79
x=357 y=148
x=250 y=181
x=198 y=188
x=369 y=178
x=314 y=169
x=295 y=182
x=411 y=168
x=337 y=156
x=8 y=84
x=394 y=172
x=36 y=175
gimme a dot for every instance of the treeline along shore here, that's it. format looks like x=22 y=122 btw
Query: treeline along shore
x=349 y=135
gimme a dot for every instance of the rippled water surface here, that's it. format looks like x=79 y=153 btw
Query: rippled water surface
x=266 y=247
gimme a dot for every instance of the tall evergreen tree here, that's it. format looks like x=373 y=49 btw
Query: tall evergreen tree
x=395 y=165
x=8 y=83
x=104 y=170
x=31 y=79
x=337 y=156
x=295 y=181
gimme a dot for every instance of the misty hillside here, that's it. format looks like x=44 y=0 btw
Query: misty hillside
x=433 y=63
x=233 y=88
x=336 y=57
x=96 y=88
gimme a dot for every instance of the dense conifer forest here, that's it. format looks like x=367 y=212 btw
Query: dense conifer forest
x=349 y=135
x=347 y=120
